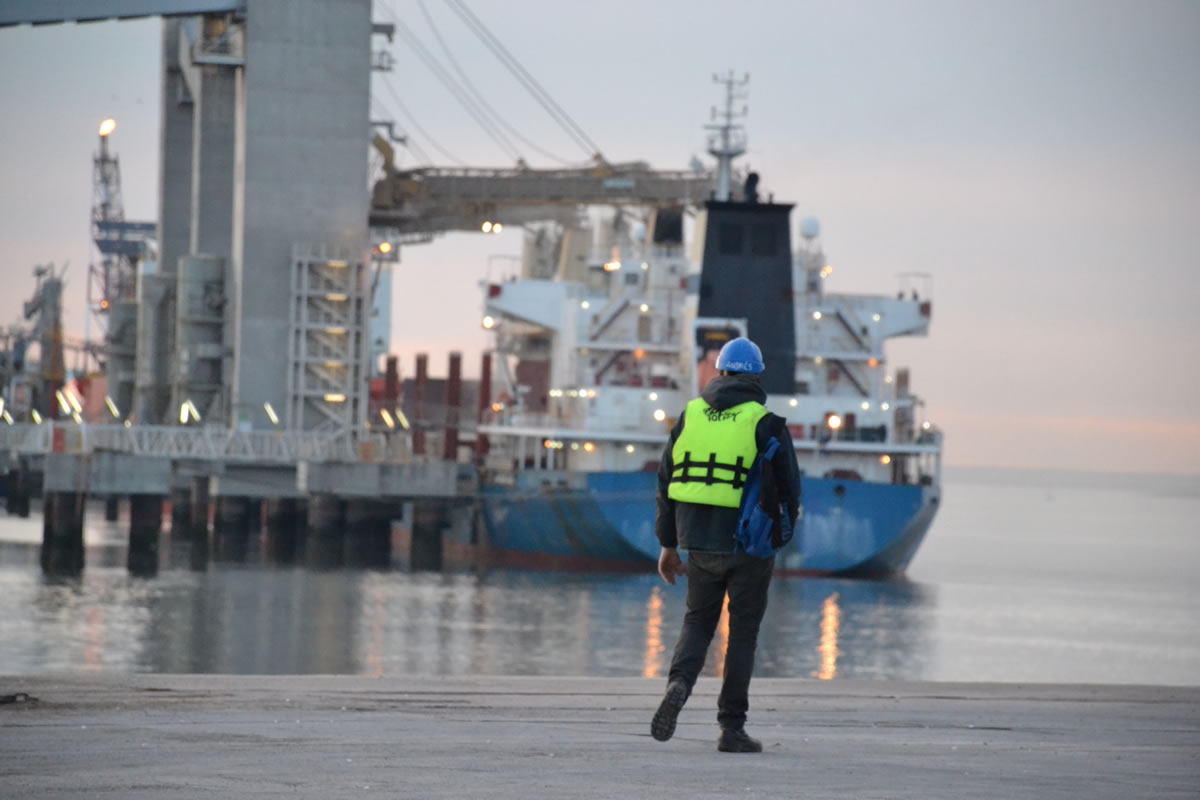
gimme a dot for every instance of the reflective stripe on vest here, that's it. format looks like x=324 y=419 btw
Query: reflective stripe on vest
x=713 y=454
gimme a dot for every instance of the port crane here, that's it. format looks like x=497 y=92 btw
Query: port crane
x=432 y=200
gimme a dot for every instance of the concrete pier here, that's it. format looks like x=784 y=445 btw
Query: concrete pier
x=145 y=528
x=181 y=512
x=62 y=533
x=176 y=736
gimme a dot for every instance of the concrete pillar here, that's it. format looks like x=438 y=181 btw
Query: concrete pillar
x=390 y=511
x=427 y=524
x=145 y=526
x=198 y=555
x=62 y=533
x=368 y=534
x=418 y=404
x=112 y=508
x=175 y=154
x=29 y=488
x=212 y=161
x=19 y=490
x=257 y=507
x=303 y=103
x=231 y=528
x=10 y=489
x=357 y=521
x=453 y=401
x=198 y=524
x=200 y=506
x=174 y=230
x=391 y=382
x=181 y=512
x=485 y=402
x=155 y=346
x=285 y=523
x=324 y=545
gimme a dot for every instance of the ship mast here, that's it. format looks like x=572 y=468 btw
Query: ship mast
x=729 y=139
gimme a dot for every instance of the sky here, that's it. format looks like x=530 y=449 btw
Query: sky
x=1039 y=159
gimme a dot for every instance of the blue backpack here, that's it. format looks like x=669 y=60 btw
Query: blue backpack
x=761 y=532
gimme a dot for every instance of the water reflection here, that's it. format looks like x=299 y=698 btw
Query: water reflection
x=1012 y=588
x=829 y=628
x=654 y=645
x=828 y=648
x=720 y=646
x=237 y=618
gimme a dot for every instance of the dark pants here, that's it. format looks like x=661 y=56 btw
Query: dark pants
x=709 y=577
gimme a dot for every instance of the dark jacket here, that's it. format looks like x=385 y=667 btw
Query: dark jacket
x=711 y=529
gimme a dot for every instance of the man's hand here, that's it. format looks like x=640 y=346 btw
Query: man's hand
x=670 y=565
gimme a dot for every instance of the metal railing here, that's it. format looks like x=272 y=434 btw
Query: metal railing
x=205 y=443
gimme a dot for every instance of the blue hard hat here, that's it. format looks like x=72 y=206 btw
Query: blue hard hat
x=740 y=355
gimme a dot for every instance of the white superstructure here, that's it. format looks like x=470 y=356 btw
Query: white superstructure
x=596 y=362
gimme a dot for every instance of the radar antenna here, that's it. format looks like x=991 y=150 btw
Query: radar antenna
x=728 y=140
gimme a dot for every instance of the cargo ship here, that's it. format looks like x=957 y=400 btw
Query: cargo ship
x=609 y=327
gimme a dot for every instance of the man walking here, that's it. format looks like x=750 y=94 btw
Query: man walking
x=700 y=481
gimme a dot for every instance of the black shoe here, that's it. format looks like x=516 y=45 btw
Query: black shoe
x=662 y=727
x=738 y=742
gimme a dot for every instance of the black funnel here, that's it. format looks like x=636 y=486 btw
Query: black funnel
x=746 y=273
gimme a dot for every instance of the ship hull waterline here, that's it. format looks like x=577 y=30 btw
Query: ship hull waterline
x=604 y=522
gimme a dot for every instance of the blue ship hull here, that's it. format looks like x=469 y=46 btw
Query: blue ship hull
x=605 y=520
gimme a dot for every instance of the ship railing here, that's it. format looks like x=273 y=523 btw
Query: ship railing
x=543 y=426
x=386 y=447
x=816 y=432
x=23 y=438
x=874 y=437
x=209 y=443
x=523 y=419
x=841 y=446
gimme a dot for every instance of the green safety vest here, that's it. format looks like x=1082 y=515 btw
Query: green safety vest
x=712 y=456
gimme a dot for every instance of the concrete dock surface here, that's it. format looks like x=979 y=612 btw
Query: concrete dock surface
x=183 y=736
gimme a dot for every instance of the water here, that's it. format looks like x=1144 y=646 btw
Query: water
x=1025 y=577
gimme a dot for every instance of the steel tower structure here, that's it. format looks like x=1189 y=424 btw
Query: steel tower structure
x=257 y=316
x=112 y=279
